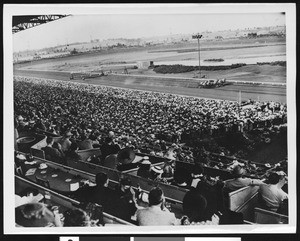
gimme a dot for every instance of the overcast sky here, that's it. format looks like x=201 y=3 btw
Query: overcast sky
x=79 y=28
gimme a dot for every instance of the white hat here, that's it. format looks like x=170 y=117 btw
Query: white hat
x=146 y=162
x=157 y=169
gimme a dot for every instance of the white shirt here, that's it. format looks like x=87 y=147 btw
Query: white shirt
x=272 y=195
x=154 y=216
x=237 y=183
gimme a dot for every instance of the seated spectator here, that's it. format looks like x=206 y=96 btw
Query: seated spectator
x=156 y=173
x=37 y=215
x=57 y=146
x=156 y=214
x=109 y=147
x=51 y=153
x=16 y=135
x=210 y=188
x=197 y=175
x=110 y=161
x=65 y=141
x=239 y=181
x=170 y=154
x=127 y=197
x=95 y=137
x=40 y=125
x=100 y=194
x=86 y=143
x=76 y=218
x=182 y=178
x=168 y=171
x=125 y=158
x=71 y=154
x=271 y=193
x=145 y=169
x=194 y=207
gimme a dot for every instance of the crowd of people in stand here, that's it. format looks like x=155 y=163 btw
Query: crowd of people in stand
x=138 y=118
x=113 y=119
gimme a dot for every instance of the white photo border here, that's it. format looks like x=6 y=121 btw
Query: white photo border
x=10 y=10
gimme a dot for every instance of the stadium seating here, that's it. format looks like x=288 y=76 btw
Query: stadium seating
x=60 y=200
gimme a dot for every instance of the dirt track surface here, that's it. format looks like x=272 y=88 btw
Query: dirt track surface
x=230 y=92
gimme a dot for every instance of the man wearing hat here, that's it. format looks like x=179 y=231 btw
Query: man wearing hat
x=125 y=158
x=239 y=181
x=145 y=168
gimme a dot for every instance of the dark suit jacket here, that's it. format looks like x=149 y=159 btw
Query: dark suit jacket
x=52 y=154
x=104 y=196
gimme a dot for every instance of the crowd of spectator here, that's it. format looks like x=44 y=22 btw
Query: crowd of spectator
x=138 y=118
x=114 y=118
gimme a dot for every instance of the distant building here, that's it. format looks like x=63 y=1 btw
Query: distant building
x=144 y=64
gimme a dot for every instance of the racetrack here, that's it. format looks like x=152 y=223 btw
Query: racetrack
x=229 y=92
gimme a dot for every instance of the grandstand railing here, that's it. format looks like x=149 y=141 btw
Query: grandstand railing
x=173 y=193
x=224 y=174
x=263 y=216
x=244 y=200
x=62 y=200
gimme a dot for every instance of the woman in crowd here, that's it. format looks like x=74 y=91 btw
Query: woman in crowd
x=77 y=218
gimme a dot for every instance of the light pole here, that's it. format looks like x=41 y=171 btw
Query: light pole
x=198 y=37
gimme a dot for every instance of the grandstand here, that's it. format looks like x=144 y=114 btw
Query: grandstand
x=95 y=115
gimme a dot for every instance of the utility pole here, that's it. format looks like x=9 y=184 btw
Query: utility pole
x=198 y=37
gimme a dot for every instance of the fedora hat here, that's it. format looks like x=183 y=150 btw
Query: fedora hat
x=126 y=155
x=157 y=169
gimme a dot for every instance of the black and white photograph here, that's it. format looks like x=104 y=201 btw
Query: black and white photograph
x=149 y=118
